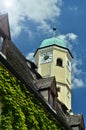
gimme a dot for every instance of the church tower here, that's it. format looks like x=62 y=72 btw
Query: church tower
x=53 y=58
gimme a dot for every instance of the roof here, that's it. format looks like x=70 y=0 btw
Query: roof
x=75 y=120
x=53 y=41
x=45 y=82
x=4 y=25
x=32 y=64
x=33 y=71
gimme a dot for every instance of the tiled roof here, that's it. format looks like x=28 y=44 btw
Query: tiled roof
x=45 y=82
x=32 y=69
x=75 y=119
x=4 y=25
x=2 y=16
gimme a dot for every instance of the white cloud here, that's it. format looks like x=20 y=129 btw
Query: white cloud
x=30 y=57
x=75 y=65
x=69 y=38
x=45 y=27
x=39 y=11
x=77 y=80
x=78 y=83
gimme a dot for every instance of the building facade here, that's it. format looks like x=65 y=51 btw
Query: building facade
x=53 y=58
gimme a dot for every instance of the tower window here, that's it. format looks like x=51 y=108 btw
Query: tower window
x=1 y=42
x=59 y=62
x=51 y=100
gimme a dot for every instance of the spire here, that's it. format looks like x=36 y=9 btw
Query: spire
x=54 y=31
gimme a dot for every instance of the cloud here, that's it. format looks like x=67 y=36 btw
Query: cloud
x=77 y=80
x=70 y=36
x=38 y=11
x=30 y=57
x=75 y=65
x=44 y=26
x=68 y=39
x=78 y=83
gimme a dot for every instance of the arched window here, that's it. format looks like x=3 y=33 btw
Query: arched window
x=59 y=62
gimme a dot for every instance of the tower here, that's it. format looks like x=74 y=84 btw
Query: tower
x=53 y=58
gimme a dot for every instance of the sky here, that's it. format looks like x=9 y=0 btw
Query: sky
x=31 y=21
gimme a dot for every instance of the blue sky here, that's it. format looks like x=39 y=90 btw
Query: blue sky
x=31 y=21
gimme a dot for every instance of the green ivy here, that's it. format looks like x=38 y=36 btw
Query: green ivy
x=21 y=110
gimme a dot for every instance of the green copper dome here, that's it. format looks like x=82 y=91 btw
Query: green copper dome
x=53 y=41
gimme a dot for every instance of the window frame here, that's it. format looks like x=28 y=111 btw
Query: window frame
x=52 y=99
x=1 y=42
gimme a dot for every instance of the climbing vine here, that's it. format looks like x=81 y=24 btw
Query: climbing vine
x=20 y=109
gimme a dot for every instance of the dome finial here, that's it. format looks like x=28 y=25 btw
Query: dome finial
x=54 y=31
